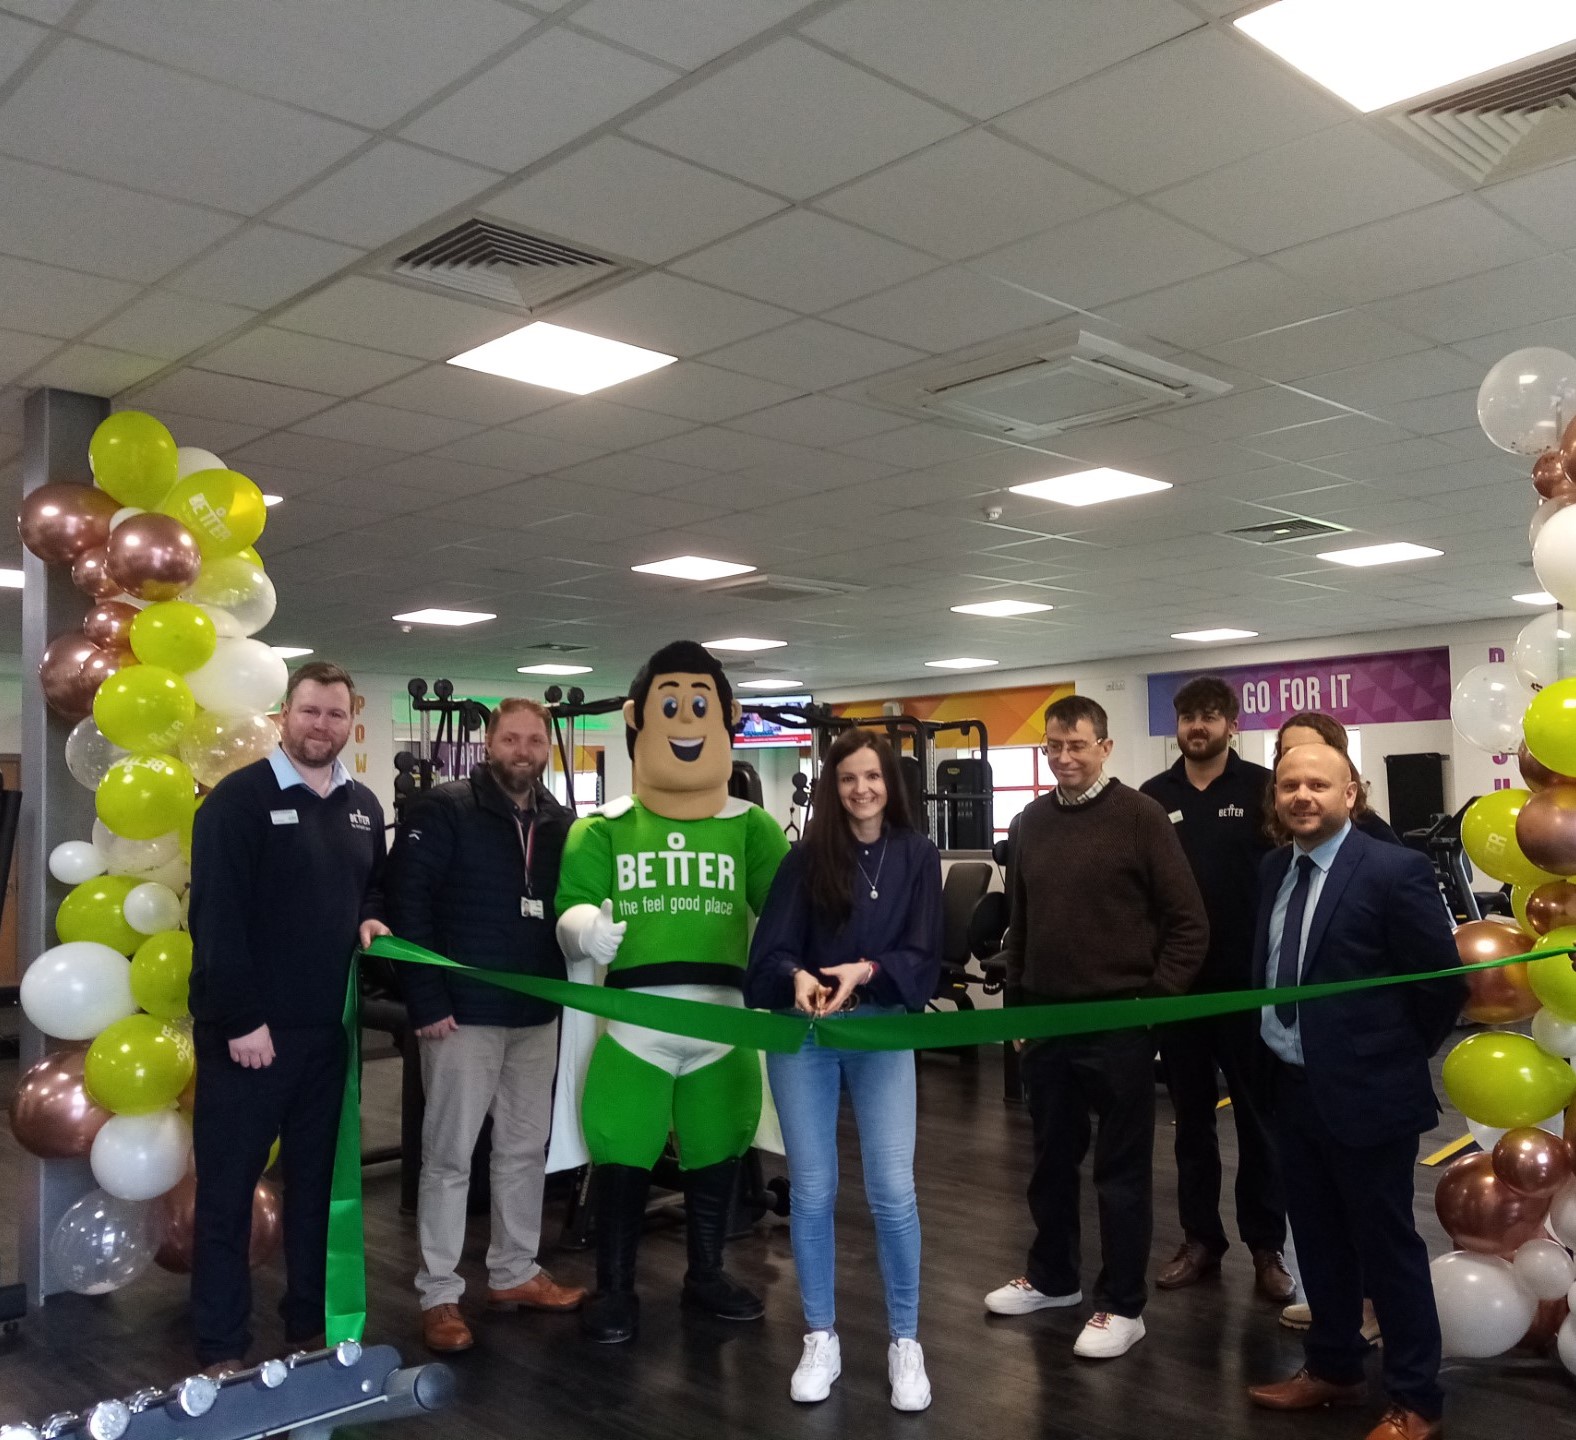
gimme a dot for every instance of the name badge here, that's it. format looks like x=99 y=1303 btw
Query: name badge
x=284 y=817
x=531 y=909
x=1175 y=817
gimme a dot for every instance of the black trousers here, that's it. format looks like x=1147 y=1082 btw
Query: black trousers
x=237 y=1116
x=1192 y=1051
x=1071 y=1083
x=1351 y=1216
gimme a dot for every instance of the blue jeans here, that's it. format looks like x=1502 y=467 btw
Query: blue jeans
x=807 y=1089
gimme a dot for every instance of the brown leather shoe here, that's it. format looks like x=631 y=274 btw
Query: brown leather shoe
x=1188 y=1266
x=1271 y=1278
x=540 y=1292
x=1307 y=1392
x=444 y=1331
x=1400 y=1423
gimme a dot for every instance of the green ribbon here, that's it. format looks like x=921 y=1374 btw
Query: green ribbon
x=781 y=1035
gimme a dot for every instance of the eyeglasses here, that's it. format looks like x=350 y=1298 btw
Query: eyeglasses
x=1072 y=749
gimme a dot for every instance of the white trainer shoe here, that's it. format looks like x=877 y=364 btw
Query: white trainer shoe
x=906 y=1370
x=1106 y=1336
x=1018 y=1297
x=819 y=1366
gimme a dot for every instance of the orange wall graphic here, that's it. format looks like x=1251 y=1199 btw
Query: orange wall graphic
x=1011 y=717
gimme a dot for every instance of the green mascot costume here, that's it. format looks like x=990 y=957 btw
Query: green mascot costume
x=658 y=888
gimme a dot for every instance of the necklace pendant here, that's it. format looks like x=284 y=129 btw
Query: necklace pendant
x=874 y=893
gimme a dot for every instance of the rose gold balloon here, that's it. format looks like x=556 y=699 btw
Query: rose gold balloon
x=153 y=557
x=1552 y=905
x=58 y=522
x=1532 y=1162
x=1481 y=1213
x=1568 y=450
x=66 y=690
x=178 y=1210
x=89 y=575
x=98 y=668
x=1546 y=829
x=1535 y=774
x=1549 y=478
x=1496 y=997
x=109 y=624
x=51 y=1115
x=1546 y=1322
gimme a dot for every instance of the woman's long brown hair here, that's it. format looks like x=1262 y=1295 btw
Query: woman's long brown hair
x=828 y=840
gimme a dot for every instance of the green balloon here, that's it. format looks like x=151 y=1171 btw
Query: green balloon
x=92 y=911
x=145 y=796
x=223 y=509
x=138 y=1065
x=132 y=457
x=1503 y=1079
x=173 y=634
x=161 y=974
x=144 y=708
x=1488 y=835
x=1553 y=979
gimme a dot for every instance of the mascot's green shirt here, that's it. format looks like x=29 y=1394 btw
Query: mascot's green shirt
x=685 y=887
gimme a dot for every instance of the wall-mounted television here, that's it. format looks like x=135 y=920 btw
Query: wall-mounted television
x=758 y=733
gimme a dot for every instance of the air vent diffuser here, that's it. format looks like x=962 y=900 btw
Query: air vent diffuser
x=557 y=647
x=1293 y=527
x=775 y=589
x=482 y=257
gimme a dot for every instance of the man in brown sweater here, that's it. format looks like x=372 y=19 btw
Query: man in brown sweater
x=1104 y=907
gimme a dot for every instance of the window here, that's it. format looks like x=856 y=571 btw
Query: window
x=1019 y=774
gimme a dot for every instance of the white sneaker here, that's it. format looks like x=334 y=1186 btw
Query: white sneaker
x=906 y=1370
x=1106 y=1336
x=819 y=1366
x=1018 y=1297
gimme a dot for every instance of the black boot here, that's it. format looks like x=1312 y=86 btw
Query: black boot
x=708 y=1201
x=610 y=1316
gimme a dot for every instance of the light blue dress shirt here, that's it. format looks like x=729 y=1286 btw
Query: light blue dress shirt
x=1286 y=1040
x=287 y=774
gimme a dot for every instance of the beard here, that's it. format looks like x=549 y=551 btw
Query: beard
x=515 y=779
x=1205 y=747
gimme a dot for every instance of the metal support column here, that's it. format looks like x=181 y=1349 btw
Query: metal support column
x=57 y=425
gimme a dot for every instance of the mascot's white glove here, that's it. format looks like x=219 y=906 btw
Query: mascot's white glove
x=588 y=933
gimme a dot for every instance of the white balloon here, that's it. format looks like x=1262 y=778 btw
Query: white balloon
x=150 y=908
x=74 y=990
x=1545 y=650
x=73 y=861
x=1487 y=1136
x=1541 y=517
x=125 y=513
x=237 y=595
x=1544 y=1269
x=1487 y=707
x=189 y=459
x=1527 y=399
x=139 y=1157
x=1562 y=1214
x=102 y=1243
x=135 y=857
x=1556 y=1036
x=1482 y=1310
x=1565 y=1342
x=1554 y=555
x=176 y=876
x=244 y=677
x=89 y=753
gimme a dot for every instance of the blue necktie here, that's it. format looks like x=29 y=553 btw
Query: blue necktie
x=1291 y=939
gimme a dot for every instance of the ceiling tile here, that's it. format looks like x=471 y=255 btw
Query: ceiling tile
x=1309 y=347
x=367 y=61
x=93 y=370
x=1388 y=382
x=262 y=266
x=362 y=494
x=629 y=471
x=947 y=310
x=970 y=194
x=284 y=357
x=812 y=355
x=18 y=40
x=1325 y=437
x=122 y=119
x=543 y=95
x=1544 y=201
x=48 y=12
x=1441 y=242
x=805 y=261
x=1240 y=300
x=686 y=33
x=989 y=55
x=1434 y=414
x=601 y=424
x=1326 y=182
x=1200 y=101
x=918 y=446
x=170 y=326
x=463 y=394
x=1107 y=256
x=630 y=200
x=793 y=119
x=440 y=478
x=50 y=301
x=366 y=424
x=670 y=314
x=311 y=453
x=818 y=420
x=216 y=435
x=397 y=318
x=85 y=225
x=20 y=353
x=383 y=194
x=212 y=396
x=714 y=448
x=518 y=452
x=1517 y=295
x=1230 y=417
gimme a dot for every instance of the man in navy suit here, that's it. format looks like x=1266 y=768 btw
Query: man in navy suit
x=1353 y=1091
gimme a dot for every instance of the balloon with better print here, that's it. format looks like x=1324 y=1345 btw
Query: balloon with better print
x=59 y=521
x=173 y=634
x=223 y=510
x=51 y=1114
x=101 y=1243
x=1525 y=397
x=1544 y=1269
x=139 y=1065
x=139 y=1157
x=74 y=861
x=1480 y=1212
x=1532 y=1162
x=1482 y=1310
x=133 y=459
x=1486 y=708
x=214 y=746
x=144 y=708
x=1503 y=994
x=161 y=974
x=90 y=753
x=244 y=677
x=1500 y=1078
x=153 y=557
x=1488 y=834
x=94 y=911
x=74 y=991
x=145 y=796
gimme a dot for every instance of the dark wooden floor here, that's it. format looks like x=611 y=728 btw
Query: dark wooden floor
x=688 y=1375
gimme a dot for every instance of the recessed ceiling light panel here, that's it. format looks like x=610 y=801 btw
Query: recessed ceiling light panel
x=962 y=662
x=561 y=359
x=692 y=567
x=1364 y=555
x=780 y=685
x=435 y=616
x=1535 y=597
x=1000 y=609
x=554 y=670
x=1090 y=487
x=10 y=579
x=744 y=643
x=291 y=652
x=1222 y=632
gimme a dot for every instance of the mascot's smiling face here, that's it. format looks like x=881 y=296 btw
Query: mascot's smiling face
x=683 y=747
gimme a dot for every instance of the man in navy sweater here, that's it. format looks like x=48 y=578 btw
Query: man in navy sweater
x=287 y=857
x=472 y=876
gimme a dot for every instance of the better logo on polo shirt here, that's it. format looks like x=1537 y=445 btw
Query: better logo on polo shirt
x=360 y=820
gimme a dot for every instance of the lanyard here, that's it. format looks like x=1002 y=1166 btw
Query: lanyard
x=527 y=837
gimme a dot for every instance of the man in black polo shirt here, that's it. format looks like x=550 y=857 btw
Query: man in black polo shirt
x=1215 y=799
x=287 y=856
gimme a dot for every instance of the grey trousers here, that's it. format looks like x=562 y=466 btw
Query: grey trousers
x=476 y=1071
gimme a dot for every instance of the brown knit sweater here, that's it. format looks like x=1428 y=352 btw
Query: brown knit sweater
x=1104 y=904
